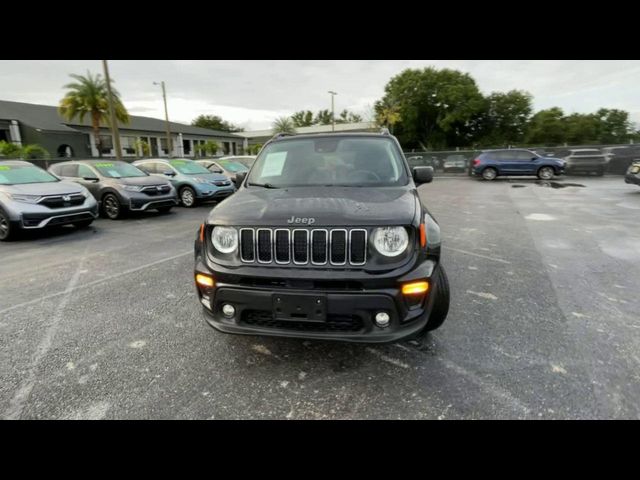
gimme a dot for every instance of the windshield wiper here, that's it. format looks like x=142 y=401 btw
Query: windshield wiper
x=265 y=185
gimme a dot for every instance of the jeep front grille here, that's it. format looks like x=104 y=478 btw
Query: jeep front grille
x=317 y=246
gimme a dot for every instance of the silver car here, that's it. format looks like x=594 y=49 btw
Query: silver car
x=31 y=198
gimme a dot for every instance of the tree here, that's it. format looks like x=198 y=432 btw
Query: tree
x=323 y=117
x=507 y=117
x=388 y=114
x=144 y=147
x=438 y=108
x=254 y=149
x=547 y=127
x=10 y=150
x=348 y=117
x=615 y=126
x=214 y=122
x=581 y=128
x=303 y=118
x=88 y=96
x=33 y=151
x=283 y=125
x=208 y=148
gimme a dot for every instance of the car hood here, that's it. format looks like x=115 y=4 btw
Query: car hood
x=46 y=188
x=212 y=177
x=327 y=206
x=142 y=181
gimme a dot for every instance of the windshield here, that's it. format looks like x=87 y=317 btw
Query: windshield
x=188 y=167
x=21 y=174
x=336 y=161
x=232 y=166
x=118 y=170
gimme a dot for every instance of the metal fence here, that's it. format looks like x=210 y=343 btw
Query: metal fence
x=444 y=161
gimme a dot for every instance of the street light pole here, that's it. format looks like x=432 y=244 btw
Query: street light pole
x=166 y=117
x=333 y=115
x=114 y=124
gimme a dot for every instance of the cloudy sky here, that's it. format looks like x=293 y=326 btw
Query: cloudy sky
x=252 y=93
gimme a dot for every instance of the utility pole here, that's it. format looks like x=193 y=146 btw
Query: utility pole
x=166 y=117
x=333 y=115
x=114 y=124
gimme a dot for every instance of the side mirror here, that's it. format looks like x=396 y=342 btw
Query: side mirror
x=91 y=179
x=169 y=173
x=422 y=175
x=240 y=176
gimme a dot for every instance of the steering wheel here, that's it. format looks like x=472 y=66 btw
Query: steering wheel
x=367 y=173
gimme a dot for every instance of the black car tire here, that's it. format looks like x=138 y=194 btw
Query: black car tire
x=489 y=173
x=441 y=302
x=545 y=173
x=187 y=197
x=440 y=306
x=83 y=224
x=164 y=209
x=111 y=207
x=8 y=229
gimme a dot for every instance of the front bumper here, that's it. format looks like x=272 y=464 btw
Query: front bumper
x=633 y=178
x=349 y=309
x=37 y=220
x=215 y=193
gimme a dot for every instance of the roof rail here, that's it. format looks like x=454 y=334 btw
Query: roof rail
x=384 y=131
x=282 y=134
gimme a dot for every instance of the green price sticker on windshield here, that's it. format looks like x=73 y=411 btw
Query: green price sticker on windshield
x=4 y=168
x=104 y=164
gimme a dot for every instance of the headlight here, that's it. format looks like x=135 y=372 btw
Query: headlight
x=225 y=239
x=18 y=197
x=390 y=241
x=132 y=188
x=200 y=180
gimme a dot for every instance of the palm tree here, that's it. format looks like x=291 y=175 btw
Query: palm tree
x=388 y=115
x=283 y=125
x=88 y=96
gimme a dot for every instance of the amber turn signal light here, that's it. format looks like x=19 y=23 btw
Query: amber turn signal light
x=204 y=280
x=414 y=288
x=423 y=235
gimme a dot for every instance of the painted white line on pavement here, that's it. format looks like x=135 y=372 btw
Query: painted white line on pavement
x=16 y=406
x=95 y=282
x=474 y=254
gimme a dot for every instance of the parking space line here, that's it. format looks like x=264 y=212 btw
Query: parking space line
x=72 y=288
x=475 y=255
x=23 y=392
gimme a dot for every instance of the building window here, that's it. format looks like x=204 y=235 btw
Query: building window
x=107 y=143
x=128 y=145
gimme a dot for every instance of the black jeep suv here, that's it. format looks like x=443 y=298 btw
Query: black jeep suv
x=326 y=238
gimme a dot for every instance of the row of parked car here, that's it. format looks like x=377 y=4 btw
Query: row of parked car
x=617 y=159
x=76 y=192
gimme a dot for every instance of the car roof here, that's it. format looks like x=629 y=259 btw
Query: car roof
x=307 y=136
x=584 y=150
x=16 y=162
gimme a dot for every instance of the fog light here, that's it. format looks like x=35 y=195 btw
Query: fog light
x=228 y=310
x=204 y=280
x=382 y=319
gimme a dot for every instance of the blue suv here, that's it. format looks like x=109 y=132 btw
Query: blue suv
x=493 y=163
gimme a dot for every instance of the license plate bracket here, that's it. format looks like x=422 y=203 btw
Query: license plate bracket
x=301 y=307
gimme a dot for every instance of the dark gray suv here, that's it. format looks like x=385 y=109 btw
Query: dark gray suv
x=118 y=186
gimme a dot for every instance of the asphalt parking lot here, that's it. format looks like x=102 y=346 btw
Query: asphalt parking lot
x=544 y=322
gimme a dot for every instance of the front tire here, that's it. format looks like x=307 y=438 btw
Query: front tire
x=441 y=302
x=8 y=229
x=545 y=173
x=111 y=207
x=489 y=173
x=187 y=197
